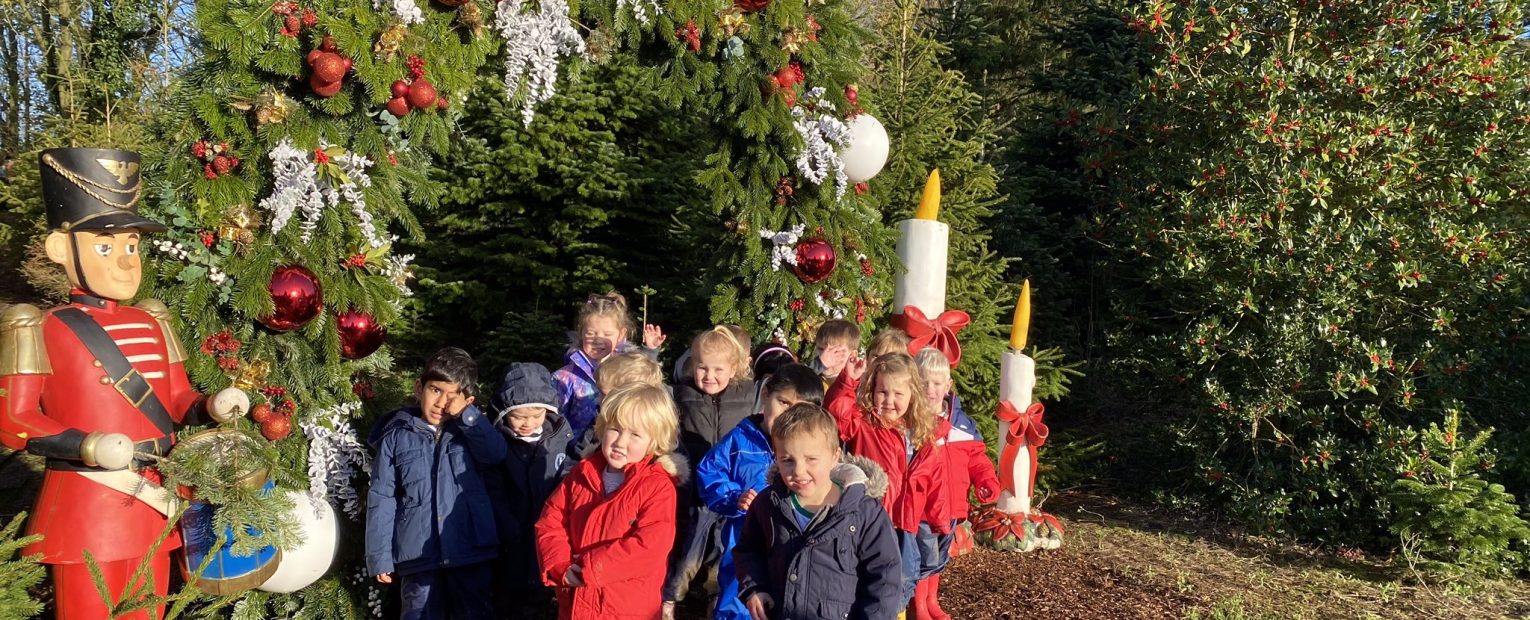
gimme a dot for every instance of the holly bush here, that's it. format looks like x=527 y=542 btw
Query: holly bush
x=1317 y=209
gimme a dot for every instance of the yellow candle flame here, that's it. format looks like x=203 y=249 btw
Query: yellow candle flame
x=1022 y=324
x=929 y=202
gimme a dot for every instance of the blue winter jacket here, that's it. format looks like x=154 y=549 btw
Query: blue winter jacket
x=740 y=462
x=520 y=488
x=427 y=507
x=844 y=564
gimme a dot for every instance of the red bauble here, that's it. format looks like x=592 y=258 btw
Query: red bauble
x=421 y=94
x=328 y=67
x=261 y=413
x=313 y=55
x=399 y=88
x=397 y=106
x=277 y=428
x=360 y=334
x=815 y=260
x=751 y=5
x=297 y=296
x=324 y=89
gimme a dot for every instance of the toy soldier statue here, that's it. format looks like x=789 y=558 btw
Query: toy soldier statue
x=98 y=388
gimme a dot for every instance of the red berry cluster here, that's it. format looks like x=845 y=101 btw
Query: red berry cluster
x=294 y=18
x=225 y=347
x=691 y=35
x=354 y=261
x=275 y=422
x=329 y=69
x=787 y=79
x=217 y=159
x=416 y=93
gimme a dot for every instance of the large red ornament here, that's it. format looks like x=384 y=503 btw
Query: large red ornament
x=298 y=298
x=360 y=334
x=815 y=260
x=751 y=5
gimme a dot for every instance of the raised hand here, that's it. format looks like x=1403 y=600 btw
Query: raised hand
x=653 y=336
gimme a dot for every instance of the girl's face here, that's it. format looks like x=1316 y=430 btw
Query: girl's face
x=890 y=396
x=623 y=446
x=776 y=403
x=599 y=337
x=714 y=370
x=936 y=388
x=805 y=460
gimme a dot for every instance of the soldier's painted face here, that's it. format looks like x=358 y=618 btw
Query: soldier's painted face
x=109 y=264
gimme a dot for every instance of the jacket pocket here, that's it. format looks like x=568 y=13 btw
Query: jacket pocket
x=412 y=531
x=833 y=610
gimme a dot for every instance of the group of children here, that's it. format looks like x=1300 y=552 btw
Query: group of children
x=829 y=490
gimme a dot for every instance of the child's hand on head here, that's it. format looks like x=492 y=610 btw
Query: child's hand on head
x=456 y=406
x=856 y=367
x=653 y=336
x=746 y=499
x=835 y=356
x=758 y=603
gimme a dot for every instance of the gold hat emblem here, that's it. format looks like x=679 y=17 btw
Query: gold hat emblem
x=123 y=170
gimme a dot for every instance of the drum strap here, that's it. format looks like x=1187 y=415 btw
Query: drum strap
x=130 y=483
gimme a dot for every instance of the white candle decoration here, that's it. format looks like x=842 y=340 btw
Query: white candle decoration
x=922 y=246
x=1017 y=379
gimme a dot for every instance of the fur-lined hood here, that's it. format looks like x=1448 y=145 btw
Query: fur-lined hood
x=674 y=463
x=851 y=470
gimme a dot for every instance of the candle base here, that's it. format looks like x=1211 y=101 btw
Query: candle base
x=1017 y=531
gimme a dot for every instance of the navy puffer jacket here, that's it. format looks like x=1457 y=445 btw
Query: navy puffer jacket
x=428 y=507
x=844 y=565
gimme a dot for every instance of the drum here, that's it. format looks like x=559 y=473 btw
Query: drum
x=214 y=567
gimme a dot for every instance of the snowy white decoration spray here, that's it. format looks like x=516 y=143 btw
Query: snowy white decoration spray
x=534 y=41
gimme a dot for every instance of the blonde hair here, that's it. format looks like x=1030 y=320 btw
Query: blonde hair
x=804 y=419
x=639 y=406
x=932 y=363
x=919 y=420
x=627 y=368
x=834 y=331
x=611 y=305
x=890 y=340
x=721 y=339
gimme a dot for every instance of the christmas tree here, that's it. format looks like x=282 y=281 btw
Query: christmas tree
x=802 y=240
x=300 y=140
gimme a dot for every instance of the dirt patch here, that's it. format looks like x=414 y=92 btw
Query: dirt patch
x=1065 y=583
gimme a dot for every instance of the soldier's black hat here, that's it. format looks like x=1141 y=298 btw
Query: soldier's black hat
x=93 y=189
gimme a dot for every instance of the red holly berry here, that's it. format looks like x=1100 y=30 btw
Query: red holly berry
x=416 y=67
x=861 y=188
x=320 y=157
x=292 y=24
x=199 y=149
x=209 y=239
x=222 y=164
x=393 y=157
x=277 y=428
x=397 y=106
x=310 y=19
x=421 y=94
x=261 y=413
x=208 y=173
x=796 y=305
x=866 y=267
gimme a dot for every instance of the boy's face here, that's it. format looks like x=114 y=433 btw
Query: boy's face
x=440 y=400
x=833 y=353
x=805 y=460
x=936 y=387
x=713 y=372
x=776 y=403
x=526 y=420
x=890 y=396
x=623 y=447
x=600 y=337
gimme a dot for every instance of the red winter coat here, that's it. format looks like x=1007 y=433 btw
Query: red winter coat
x=917 y=490
x=967 y=463
x=620 y=541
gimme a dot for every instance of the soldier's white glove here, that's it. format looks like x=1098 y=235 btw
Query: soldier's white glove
x=228 y=404
x=111 y=451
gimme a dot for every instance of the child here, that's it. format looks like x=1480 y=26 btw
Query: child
x=717 y=397
x=734 y=472
x=607 y=529
x=836 y=342
x=816 y=543
x=890 y=340
x=887 y=419
x=684 y=361
x=603 y=328
x=623 y=368
x=967 y=465
x=430 y=523
x=540 y=441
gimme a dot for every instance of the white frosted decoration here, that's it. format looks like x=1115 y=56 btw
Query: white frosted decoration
x=1017 y=379
x=867 y=151
x=535 y=40
x=304 y=565
x=922 y=247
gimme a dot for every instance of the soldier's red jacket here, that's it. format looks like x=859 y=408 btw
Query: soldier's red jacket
x=72 y=512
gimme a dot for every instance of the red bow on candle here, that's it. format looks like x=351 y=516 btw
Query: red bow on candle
x=1023 y=427
x=939 y=333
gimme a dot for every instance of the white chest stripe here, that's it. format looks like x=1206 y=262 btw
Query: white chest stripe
x=152 y=357
x=154 y=375
x=126 y=341
x=112 y=328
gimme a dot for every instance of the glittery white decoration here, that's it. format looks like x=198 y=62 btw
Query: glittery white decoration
x=406 y=11
x=534 y=41
x=296 y=185
x=833 y=312
x=335 y=457
x=642 y=10
x=785 y=241
x=821 y=131
x=355 y=168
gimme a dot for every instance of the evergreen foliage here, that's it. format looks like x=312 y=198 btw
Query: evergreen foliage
x=1314 y=212
x=18 y=574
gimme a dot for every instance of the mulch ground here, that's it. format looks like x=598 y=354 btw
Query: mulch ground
x=1051 y=584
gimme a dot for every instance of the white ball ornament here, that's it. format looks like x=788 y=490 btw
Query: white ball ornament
x=304 y=565
x=867 y=151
